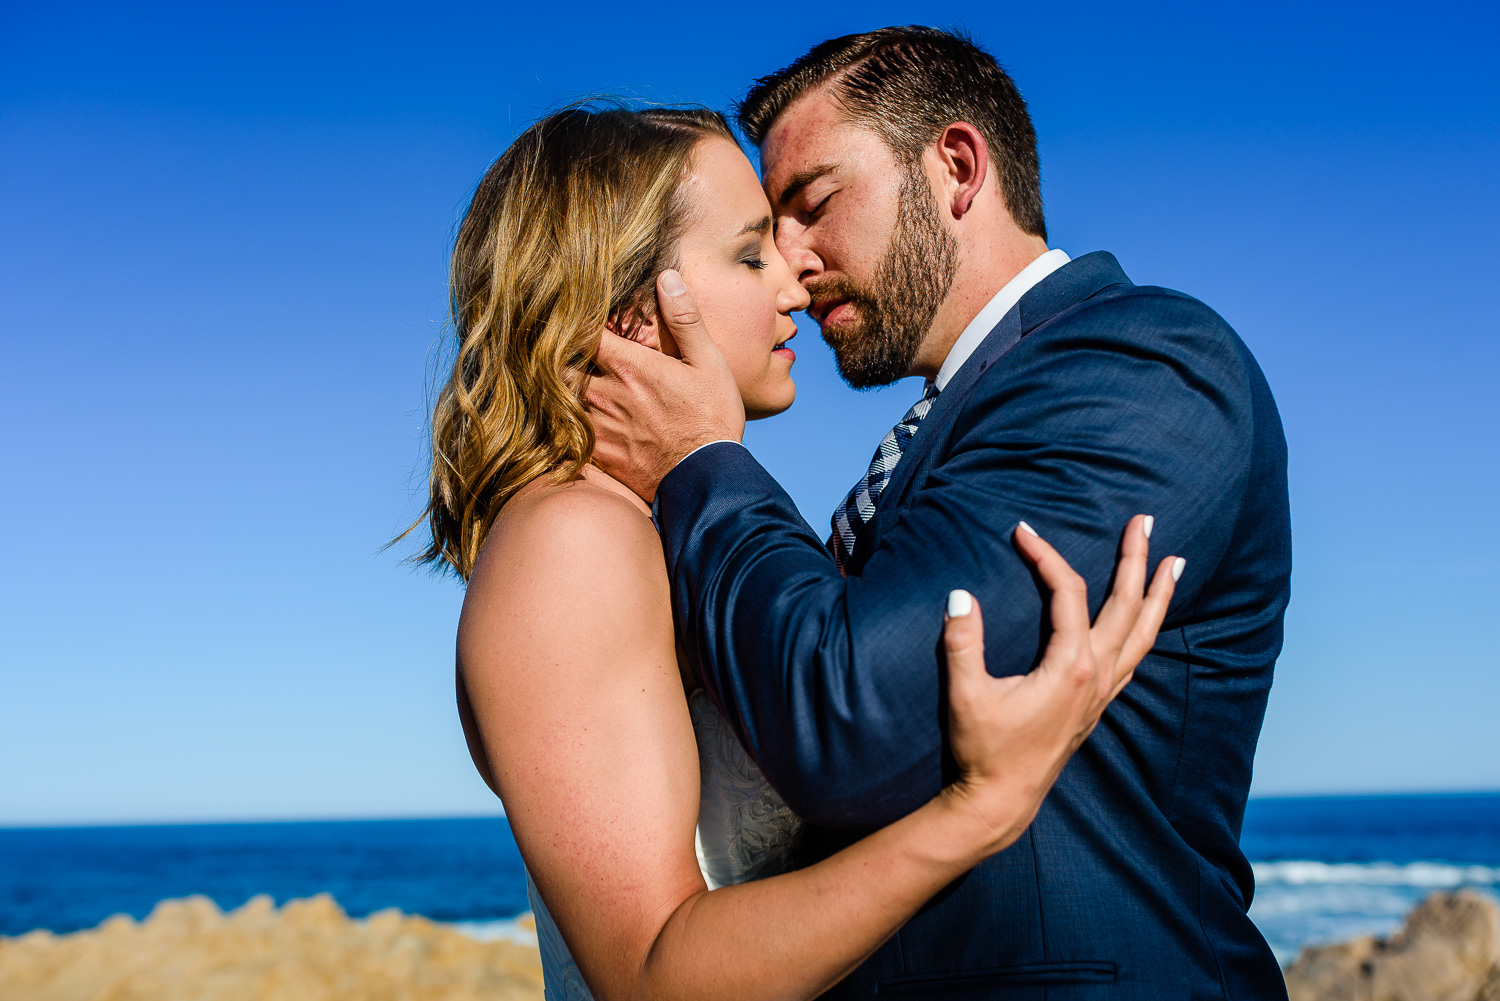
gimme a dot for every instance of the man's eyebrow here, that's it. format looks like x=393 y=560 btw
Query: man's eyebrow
x=802 y=179
x=760 y=225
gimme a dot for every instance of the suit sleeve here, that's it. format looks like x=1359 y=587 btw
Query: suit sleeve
x=1138 y=404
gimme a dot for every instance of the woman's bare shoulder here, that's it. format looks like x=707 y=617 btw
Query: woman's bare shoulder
x=575 y=557
x=578 y=522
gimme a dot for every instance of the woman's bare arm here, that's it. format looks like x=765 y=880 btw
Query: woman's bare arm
x=566 y=650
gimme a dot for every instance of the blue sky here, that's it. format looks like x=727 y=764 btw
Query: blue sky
x=223 y=234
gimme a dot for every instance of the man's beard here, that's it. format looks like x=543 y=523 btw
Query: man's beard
x=893 y=314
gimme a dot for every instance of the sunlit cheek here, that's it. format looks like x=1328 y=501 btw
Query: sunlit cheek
x=747 y=372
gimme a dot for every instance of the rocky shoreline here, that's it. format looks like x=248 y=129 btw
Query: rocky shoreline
x=1448 y=950
x=310 y=950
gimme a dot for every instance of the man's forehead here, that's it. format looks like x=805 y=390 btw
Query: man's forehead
x=807 y=131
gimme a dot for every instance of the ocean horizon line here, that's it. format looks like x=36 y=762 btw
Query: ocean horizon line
x=499 y=813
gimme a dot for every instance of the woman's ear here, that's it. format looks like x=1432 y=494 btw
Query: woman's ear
x=631 y=324
x=647 y=330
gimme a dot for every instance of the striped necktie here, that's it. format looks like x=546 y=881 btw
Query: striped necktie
x=859 y=507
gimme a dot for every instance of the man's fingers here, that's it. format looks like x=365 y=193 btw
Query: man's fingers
x=1070 y=596
x=680 y=313
x=599 y=395
x=595 y=395
x=620 y=354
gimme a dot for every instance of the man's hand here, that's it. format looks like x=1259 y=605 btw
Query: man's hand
x=651 y=410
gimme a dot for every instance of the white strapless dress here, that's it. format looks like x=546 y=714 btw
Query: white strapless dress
x=745 y=832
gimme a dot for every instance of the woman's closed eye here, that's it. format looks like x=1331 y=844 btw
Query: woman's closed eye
x=751 y=253
x=751 y=241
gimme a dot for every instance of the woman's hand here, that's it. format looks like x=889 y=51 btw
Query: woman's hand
x=1011 y=736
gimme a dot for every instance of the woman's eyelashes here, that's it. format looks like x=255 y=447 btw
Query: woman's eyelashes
x=750 y=256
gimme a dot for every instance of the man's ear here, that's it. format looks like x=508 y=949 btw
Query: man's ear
x=965 y=159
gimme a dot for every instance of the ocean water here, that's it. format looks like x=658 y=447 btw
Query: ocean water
x=1330 y=868
x=467 y=872
x=1326 y=868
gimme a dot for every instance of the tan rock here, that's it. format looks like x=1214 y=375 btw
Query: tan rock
x=1332 y=972
x=1448 y=950
x=1491 y=989
x=187 y=916
x=117 y=925
x=257 y=912
x=309 y=950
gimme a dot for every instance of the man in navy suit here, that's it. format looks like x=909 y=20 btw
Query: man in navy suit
x=902 y=172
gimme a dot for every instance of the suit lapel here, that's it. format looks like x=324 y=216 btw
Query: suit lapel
x=1069 y=285
x=1006 y=335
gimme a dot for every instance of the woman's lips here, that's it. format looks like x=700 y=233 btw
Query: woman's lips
x=782 y=349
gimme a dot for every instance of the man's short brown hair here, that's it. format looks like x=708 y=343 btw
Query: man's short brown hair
x=907 y=85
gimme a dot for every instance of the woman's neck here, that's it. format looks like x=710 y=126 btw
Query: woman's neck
x=599 y=478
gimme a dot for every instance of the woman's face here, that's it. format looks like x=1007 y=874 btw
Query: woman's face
x=743 y=287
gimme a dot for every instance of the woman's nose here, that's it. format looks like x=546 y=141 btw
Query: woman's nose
x=793 y=296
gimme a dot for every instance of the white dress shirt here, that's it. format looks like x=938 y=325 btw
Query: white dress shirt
x=979 y=328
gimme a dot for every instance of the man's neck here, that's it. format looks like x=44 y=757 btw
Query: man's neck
x=977 y=282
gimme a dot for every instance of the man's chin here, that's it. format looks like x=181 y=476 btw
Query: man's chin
x=863 y=378
x=862 y=370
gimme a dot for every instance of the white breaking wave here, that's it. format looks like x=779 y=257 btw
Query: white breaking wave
x=508 y=930
x=1419 y=874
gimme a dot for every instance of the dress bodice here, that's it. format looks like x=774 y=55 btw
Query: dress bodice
x=745 y=832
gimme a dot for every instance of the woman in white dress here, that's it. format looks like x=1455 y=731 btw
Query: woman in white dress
x=580 y=714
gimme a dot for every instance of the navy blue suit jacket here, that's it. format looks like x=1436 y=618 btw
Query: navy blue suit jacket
x=1093 y=400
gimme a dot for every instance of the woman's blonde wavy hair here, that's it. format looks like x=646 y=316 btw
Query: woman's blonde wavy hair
x=568 y=231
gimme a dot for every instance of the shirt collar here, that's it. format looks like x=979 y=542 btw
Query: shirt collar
x=979 y=328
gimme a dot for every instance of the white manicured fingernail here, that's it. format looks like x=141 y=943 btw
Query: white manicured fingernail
x=1150 y=524
x=960 y=603
x=672 y=284
x=1028 y=529
x=1177 y=566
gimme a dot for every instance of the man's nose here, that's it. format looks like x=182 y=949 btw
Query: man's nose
x=800 y=256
